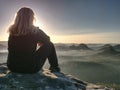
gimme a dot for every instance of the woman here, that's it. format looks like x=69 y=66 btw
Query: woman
x=23 y=39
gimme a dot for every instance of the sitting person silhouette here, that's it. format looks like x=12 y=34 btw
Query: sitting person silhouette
x=22 y=42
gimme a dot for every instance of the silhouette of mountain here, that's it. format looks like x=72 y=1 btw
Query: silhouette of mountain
x=80 y=47
x=108 y=49
x=106 y=46
x=117 y=47
x=83 y=47
x=73 y=47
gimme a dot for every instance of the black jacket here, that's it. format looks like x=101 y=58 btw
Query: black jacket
x=22 y=48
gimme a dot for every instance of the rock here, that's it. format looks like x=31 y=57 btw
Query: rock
x=43 y=80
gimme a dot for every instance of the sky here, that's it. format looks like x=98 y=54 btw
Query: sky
x=68 y=21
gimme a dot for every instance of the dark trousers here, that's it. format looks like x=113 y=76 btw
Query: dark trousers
x=35 y=62
x=44 y=52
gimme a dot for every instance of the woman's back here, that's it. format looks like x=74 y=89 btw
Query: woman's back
x=22 y=42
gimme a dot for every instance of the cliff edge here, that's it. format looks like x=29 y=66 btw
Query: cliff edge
x=43 y=80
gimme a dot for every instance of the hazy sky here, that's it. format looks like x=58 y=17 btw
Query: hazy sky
x=69 y=21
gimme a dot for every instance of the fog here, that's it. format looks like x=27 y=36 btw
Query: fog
x=95 y=63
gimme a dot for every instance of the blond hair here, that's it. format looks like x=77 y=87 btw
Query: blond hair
x=23 y=23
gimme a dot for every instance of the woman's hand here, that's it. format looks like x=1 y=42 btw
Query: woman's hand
x=40 y=44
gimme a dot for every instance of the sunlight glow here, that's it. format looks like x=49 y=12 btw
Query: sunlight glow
x=87 y=38
x=4 y=36
x=84 y=38
x=36 y=23
x=39 y=22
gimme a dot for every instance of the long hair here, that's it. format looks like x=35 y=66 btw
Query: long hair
x=23 y=22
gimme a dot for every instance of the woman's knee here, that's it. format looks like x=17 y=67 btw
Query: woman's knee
x=49 y=45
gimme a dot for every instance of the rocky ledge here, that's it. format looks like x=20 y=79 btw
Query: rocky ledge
x=43 y=80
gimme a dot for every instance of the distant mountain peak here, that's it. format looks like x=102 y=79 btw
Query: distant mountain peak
x=117 y=47
x=108 y=49
x=81 y=46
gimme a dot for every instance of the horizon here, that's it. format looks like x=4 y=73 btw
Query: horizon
x=75 y=43
x=68 y=21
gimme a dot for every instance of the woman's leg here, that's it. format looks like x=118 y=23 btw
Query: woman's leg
x=44 y=52
x=53 y=60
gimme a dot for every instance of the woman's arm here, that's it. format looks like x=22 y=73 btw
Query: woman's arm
x=42 y=37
